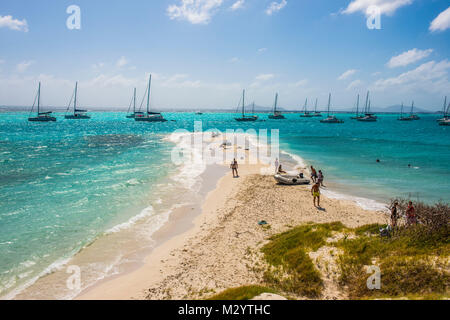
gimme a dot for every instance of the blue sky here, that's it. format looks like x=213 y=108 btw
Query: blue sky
x=202 y=53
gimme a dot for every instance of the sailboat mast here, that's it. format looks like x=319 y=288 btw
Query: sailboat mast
x=306 y=104
x=367 y=102
x=75 y=100
x=276 y=102
x=357 y=106
x=134 y=101
x=39 y=97
x=329 y=103
x=148 y=94
x=445 y=106
x=315 y=106
x=243 y=103
x=412 y=108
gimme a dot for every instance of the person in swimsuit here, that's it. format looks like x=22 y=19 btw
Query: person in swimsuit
x=315 y=191
x=277 y=164
x=313 y=174
x=394 y=215
x=320 y=178
x=234 y=168
x=411 y=217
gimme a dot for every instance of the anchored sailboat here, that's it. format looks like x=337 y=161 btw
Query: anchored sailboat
x=444 y=111
x=402 y=118
x=150 y=116
x=357 y=115
x=135 y=113
x=41 y=116
x=316 y=113
x=306 y=113
x=413 y=116
x=446 y=120
x=331 y=119
x=276 y=114
x=77 y=113
x=245 y=118
x=369 y=117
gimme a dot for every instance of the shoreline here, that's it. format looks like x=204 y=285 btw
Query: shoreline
x=180 y=256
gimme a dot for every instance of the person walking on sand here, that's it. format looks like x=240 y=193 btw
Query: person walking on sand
x=394 y=215
x=320 y=178
x=234 y=168
x=277 y=164
x=411 y=217
x=315 y=191
x=313 y=174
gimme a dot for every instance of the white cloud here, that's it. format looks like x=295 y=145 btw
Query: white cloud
x=408 y=57
x=111 y=81
x=387 y=7
x=347 y=74
x=275 y=7
x=194 y=11
x=262 y=50
x=355 y=84
x=377 y=73
x=264 y=77
x=122 y=62
x=239 y=4
x=97 y=66
x=441 y=22
x=431 y=77
x=13 y=24
x=23 y=66
x=300 y=83
x=234 y=60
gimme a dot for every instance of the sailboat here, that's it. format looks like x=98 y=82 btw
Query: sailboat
x=306 y=113
x=357 y=115
x=369 y=117
x=276 y=114
x=331 y=119
x=413 y=116
x=245 y=118
x=402 y=118
x=135 y=113
x=444 y=111
x=316 y=114
x=150 y=116
x=446 y=120
x=77 y=113
x=41 y=116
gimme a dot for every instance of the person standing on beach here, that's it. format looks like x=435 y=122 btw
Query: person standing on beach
x=411 y=217
x=313 y=174
x=315 y=191
x=234 y=168
x=277 y=164
x=394 y=215
x=320 y=178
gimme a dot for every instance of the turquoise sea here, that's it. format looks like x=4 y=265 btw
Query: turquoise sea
x=65 y=184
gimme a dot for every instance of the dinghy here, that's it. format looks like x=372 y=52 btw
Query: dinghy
x=291 y=180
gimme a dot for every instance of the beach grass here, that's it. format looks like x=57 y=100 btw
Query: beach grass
x=291 y=270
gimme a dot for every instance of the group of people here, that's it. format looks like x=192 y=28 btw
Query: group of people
x=411 y=216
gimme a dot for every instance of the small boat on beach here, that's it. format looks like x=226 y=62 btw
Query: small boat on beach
x=291 y=180
x=41 y=116
x=245 y=118
x=150 y=116
x=135 y=114
x=306 y=113
x=78 y=114
x=330 y=118
x=276 y=114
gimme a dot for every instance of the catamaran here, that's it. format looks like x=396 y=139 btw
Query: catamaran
x=316 y=114
x=369 y=117
x=135 y=114
x=357 y=115
x=402 y=118
x=306 y=113
x=77 y=113
x=245 y=118
x=276 y=114
x=413 y=116
x=41 y=116
x=150 y=116
x=331 y=119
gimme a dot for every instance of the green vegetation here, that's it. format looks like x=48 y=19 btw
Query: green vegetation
x=291 y=269
x=242 y=293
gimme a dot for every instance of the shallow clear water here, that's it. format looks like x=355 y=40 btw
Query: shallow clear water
x=64 y=184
